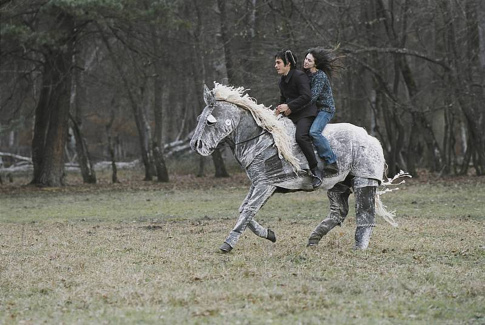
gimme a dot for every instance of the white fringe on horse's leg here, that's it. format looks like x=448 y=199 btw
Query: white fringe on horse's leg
x=382 y=211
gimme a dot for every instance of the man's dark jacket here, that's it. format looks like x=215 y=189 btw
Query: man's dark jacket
x=296 y=93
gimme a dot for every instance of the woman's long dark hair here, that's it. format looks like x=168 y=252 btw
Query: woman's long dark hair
x=326 y=60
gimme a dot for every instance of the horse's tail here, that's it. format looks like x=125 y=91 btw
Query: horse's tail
x=381 y=209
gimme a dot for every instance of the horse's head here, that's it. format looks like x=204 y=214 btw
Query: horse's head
x=217 y=121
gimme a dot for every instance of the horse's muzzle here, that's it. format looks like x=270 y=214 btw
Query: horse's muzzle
x=198 y=146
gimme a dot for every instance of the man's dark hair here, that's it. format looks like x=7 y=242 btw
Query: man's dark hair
x=288 y=57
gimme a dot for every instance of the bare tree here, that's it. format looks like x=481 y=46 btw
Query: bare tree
x=52 y=111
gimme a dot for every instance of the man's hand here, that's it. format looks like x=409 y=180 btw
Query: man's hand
x=283 y=108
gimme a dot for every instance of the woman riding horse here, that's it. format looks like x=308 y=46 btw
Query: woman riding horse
x=265 y=147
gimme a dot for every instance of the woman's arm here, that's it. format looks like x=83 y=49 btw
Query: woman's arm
x=317 y=84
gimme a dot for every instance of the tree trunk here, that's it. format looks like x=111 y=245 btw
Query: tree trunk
x=52 y=111
x=160 y=166
x=138 y=113
x=145 y=138
x=199 y=75
x=466 y=75
x=221 y=4
x=481 y=34
x=85 y=164
x=220 y=168
x=201 y=169
x=84 y=160
x=114 y=169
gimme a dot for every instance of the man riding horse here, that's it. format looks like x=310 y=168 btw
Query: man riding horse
x=265 y=147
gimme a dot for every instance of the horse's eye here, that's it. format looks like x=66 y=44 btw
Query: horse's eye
x=211 y=120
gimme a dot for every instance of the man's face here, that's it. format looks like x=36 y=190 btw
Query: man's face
x=280 y=67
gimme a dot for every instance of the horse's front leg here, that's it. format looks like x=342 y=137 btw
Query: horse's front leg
x=256 y=198
x=253 y=225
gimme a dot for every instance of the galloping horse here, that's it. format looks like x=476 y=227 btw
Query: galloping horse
x=264 y=145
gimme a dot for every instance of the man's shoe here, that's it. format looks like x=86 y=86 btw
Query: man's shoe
x=316 y=179
x=331 y=169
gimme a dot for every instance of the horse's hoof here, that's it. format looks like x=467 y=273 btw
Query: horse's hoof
x=271 y=235
x=225 y=248
x=312 y=243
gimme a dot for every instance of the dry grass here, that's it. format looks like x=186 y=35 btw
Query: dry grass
x=147 y=253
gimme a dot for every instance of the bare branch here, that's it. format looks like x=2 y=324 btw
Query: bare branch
x=401 y=51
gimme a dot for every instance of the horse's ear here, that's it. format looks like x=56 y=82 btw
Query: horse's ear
x=208 y=96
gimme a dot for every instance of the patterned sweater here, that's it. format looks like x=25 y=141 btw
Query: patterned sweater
x=321 y=91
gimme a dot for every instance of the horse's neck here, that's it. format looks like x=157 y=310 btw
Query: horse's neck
x=249 y=139
x=247 y=128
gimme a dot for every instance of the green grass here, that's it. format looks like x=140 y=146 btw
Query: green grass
x=143 y=252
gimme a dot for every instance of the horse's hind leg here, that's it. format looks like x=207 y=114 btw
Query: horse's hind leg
x=339 y=208
x=257 y=197
x=364 y=214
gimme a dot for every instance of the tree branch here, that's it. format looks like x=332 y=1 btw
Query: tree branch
x=401 y=51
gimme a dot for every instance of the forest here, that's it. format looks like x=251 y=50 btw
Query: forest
x=83 y=81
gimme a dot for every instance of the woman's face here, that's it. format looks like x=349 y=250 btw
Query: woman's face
x=309 y=62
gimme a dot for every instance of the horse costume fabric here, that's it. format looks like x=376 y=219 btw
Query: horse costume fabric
x=265 y=147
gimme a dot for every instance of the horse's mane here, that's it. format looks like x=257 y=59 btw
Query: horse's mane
x=264 y=118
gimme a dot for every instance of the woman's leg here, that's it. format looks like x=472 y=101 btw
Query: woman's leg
x=319 y=141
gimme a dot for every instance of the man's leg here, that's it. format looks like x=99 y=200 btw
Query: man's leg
x=302 y=136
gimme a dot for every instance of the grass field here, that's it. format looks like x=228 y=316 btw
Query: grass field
x=142 y=252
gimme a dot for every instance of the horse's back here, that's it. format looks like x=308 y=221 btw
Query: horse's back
x=345 y=130
x=358 y=153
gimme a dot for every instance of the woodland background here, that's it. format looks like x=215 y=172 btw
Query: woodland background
x=84 y=81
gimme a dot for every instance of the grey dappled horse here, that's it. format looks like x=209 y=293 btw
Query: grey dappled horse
x=360 y=160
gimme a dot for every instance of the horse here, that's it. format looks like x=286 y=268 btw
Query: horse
x=264 y=145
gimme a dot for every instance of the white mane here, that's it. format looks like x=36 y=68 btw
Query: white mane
x=264 y=118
